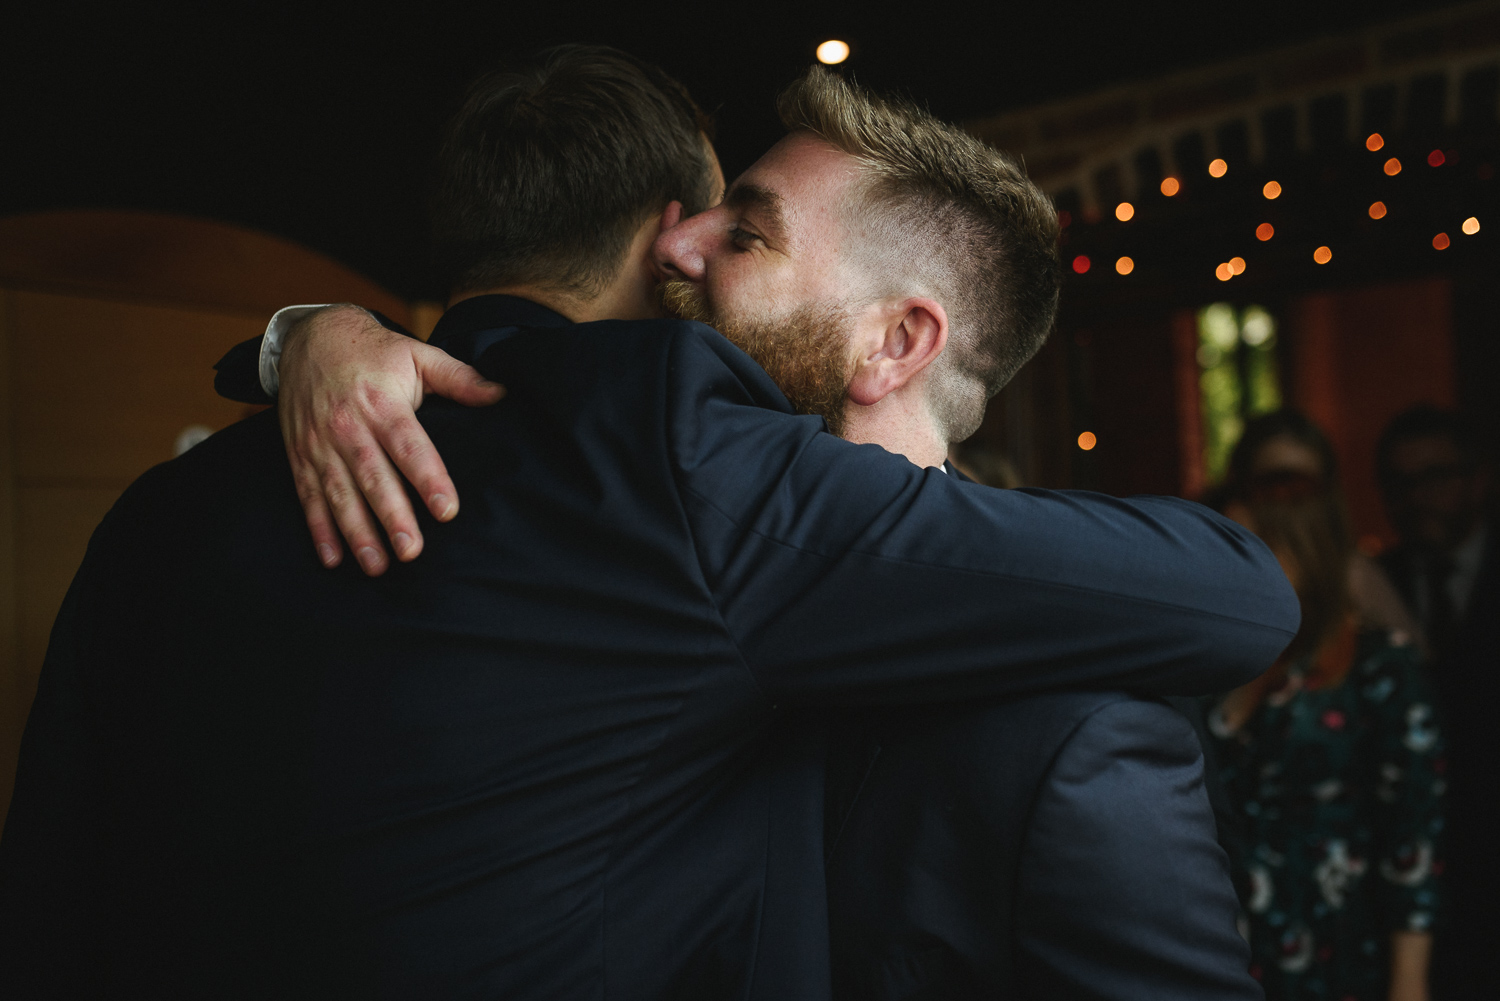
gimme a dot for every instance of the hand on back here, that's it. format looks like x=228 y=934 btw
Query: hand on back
x=350 y=390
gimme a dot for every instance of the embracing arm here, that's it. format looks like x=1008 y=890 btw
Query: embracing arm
x=350 y=386
x=847 y=574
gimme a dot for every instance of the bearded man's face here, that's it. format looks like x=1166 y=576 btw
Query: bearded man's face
x=806 y=353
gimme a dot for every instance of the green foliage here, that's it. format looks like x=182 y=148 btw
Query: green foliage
x=1238 y=377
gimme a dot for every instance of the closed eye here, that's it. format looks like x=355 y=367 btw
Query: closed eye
x=743 y=238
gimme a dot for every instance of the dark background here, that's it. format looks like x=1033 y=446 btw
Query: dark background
x=319 y=123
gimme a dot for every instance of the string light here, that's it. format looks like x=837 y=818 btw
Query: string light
x=1087 y=441
x=1440 y=242
x=1218 y=168
x=1436 y=158
x=1125 y=265
x=1237 y=265
x=1322 y=255
x=832 y=52
x=1471 y=226
x=1392 y=167
x=1264 y=232
x=1272 y=190
x=1377 y=210
x=1374 y=142
x=1080 y=264
x=1223 y=272
x=1170 y=186
x=1124 y=211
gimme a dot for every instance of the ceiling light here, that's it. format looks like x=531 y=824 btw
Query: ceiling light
x=832 y=52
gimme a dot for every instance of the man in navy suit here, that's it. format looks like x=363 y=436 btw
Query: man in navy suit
x=540 y=761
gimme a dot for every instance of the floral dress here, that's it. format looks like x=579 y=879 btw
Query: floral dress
x=1340 y=790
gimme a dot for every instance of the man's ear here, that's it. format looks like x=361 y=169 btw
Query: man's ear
x=912 y=333
x=670 y=216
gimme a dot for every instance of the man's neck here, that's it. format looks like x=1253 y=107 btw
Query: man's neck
x=563 y=305
x=903 y=426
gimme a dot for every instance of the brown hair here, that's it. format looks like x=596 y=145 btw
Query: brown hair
x=988 y=235
x=552 y=165
x=1301 y=517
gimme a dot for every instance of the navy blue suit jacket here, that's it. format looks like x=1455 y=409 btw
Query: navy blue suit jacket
x=537 y=762
x=1051 y=847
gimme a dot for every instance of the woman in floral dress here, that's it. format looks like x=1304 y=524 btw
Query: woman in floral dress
x=1334 y=760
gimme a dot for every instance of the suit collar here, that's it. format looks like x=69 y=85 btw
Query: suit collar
x=498 y=316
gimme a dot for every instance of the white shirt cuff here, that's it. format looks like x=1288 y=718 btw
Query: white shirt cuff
x=270 y=346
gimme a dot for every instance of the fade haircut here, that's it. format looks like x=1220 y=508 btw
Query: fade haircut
x=987 y=235
x=553 y=164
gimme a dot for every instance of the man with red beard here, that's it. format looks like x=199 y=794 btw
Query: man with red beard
x=550 y=758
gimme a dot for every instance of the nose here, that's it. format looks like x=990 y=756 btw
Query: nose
x=681 y=250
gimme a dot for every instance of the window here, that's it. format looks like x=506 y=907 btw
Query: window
x=1238 y=377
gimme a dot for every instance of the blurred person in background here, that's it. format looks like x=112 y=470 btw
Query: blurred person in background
x=1286 y=446
x=1438 y=489
x=1333 y=757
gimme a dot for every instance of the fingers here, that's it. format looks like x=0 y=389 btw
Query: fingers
x=353 y=519
x=376 y=481
x=406 y=442
x=326 y=539
x=445 y=375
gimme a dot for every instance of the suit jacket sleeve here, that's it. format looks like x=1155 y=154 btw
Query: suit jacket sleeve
x=1124 y=892
x=848 y=574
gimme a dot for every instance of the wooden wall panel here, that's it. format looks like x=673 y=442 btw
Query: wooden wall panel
x=1359 y=358
x=13 y=699
x=98 y=392
x=103 y=388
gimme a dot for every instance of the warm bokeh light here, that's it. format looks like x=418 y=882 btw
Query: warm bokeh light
x=1271 y=190
x=1471 y=226
x=1374 y=142
x=1080 y=264
x=1124 y=211
x=1218 y=168
x=1087 y=441
x=1237 y=265
x=1125 y=265
x=832 y=52
x=1322 y=255
x=1223 y=272
x=1440 y=242
x=1377 y=210
x=1170 y=186
x=1264 y=232
x=1436 y=158
x=1393 y=167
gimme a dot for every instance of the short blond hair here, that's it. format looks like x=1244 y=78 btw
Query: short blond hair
x=988 y=235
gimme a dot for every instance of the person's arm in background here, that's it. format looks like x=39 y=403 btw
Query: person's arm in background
x=1409 y=775
x=364 y=379
x=1124 y=892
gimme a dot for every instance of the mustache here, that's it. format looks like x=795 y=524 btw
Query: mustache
x=685 y=301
